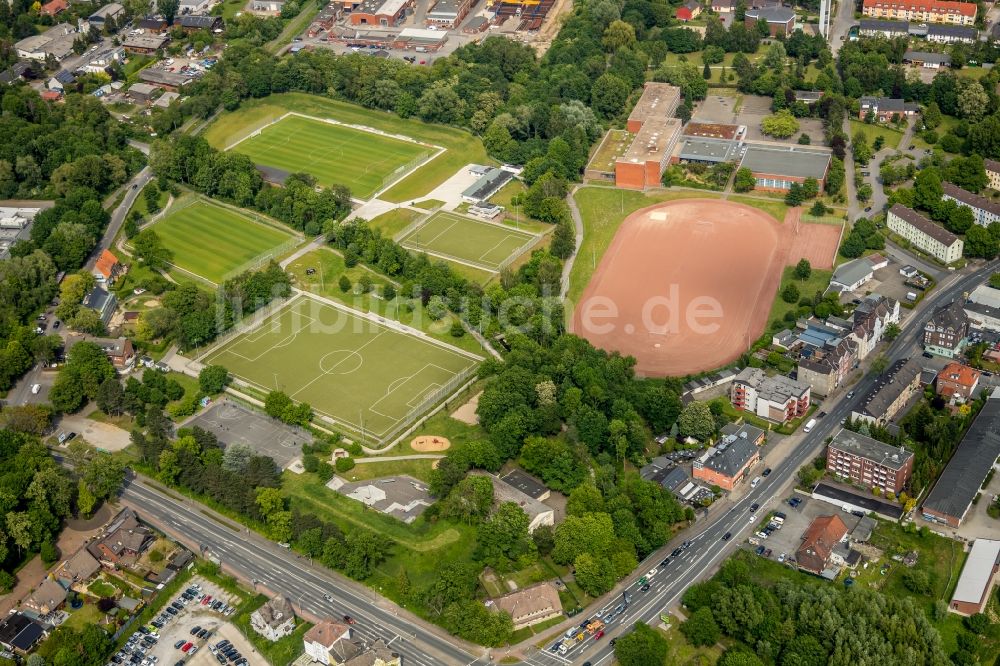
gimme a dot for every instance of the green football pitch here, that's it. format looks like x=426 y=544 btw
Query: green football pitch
x=356 y=371
x=334 y=154
x=211 y=240
x=467 y=240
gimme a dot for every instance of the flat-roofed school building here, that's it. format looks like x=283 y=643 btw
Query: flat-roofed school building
x=777 y=167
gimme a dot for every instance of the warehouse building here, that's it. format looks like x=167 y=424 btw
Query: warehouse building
x=976 y=581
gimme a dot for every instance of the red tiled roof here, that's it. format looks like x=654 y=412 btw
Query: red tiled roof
x=935 y=6
x=106 y=264
x=51 y=95
x=959 y=374
x=818 y=542
x=54 y=7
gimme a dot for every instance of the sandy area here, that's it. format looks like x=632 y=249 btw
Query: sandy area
x=467 y=412
x=429 y=443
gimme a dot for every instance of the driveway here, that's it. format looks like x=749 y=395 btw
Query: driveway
x=101 y=435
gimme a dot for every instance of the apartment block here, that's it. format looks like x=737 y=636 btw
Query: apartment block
x=777 y=398
x=984 y=211
x=923 y=234
x=868 y=462
x=921 y=11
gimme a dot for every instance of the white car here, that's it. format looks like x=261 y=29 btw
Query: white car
x=328 y=598
x=652 y=572
x=35 y=388
x=781 y=558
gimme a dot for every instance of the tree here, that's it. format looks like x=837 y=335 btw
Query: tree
x=879 y=364
x=110 y=396
x=103 y=475
x=891 y=332
x=932 y=116
x=563 y=241
x=504 y=537
x=149 y=249
x=701 y=629
x=213 y=379
x=803 y=269
x=706 y=72
x=593 y=575
x=973 y=101
x=344 y=283
x=790 y=293
x=608 y=95
x=744 y=180
x=780 y=125
x=85 y=500
x=995 y=280
x=643 y=646
x=619 y=35
x=979 y=242
x=696 y=421
x=168 y=8
x=927 y=189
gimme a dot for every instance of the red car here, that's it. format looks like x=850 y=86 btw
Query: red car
x=349 y=620
x=598 y=634
x=206 y=600
x=187 y=646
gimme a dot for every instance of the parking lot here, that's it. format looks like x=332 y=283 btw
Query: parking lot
x=187 y=630
x=797 y=520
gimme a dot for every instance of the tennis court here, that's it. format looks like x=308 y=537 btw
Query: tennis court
x=358 y=372
x=210 y=240
x=467 y=240
x=334 y=154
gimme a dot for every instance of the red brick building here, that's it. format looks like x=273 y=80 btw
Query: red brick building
x=868 y=462
x=384 y=13
x=780 y=20
x=957 y=381
x=978 y=576
x=727 y=463
x=818 y=543
x=920 y=11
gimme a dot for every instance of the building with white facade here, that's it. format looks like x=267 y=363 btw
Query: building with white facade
x=984 y=211
x=777 y=398
x=923 y=234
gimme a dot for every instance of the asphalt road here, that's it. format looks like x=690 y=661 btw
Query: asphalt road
x=707 y=549
x=133 y=188
x=256 y=559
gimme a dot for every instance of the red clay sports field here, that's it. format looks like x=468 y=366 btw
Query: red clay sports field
x=686 y=286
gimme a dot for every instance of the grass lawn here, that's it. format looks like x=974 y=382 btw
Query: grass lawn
x=86 y=615
x=442 y=425
x=428 y=204
x=682 y=653
x=334 y=154
x=294 y=26
x=193 y=229
x=143 y=209
x=818 y=281
x=948 y=123
x=354 y=371
x=231 y=7
x=330 y=266
x=101 y=588
x=775 y=209
x=610 y=149
x=695 y=58
x=603 y=209
x=891 y=135
x=394 y=221
x=461 y=147
x=467 y=240
x=418 y=469
x=123 y=421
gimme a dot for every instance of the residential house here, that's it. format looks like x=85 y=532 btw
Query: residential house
x=51 y=95
x=784 y=339
x=688 y=11
x=946 y=332
x=777 y=398
x=53 y=7
x=921 y=11
x=927 y=59
x=727 y=463
x=890 y=394
x=60 y=80
x=780 y=20
x=818 y=542
x=983 y=317
x=194 y=7
x=531 y=605
x=962 y=479
x=753 y=434
x=871 y=318
x=826 y=368
x=977 y=578
x=923 y=234
x=119 y=351
x=886 y=109
x=958 y=381
x=275 y=619
x=808 y=96
x=993 y=173
x=108 y=268
x=322 y=638
x=867 y=462
x=102 y=60
x=122 y=540
x=19 y=633
x=153 y=24
x=887 y=29
x=723 y=6
x=78 y=569
x=19 y=71
x=952 y=34
x=103 y=302
x=47 y=597
x=984 y=211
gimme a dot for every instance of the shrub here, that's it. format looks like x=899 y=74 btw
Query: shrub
x=345 y=464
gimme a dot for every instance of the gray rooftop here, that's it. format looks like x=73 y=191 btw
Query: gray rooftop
x=778 y=388
x=963 y=477
x=738 y=430
x=852 y=272
x=890 y=385
x=708 y=150
x=927 y=56
x=786 y=161
x=771 y=14
x=488 y=183
x=526 y=483
x=876 y=25
x=892 y=457
x=729 y=456
x=964 y=31
x=969 y=199
x=921 y=223
x=977 y=573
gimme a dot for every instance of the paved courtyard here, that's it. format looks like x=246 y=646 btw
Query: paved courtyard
x=235 y=424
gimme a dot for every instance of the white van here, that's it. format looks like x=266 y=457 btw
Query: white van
x=810 y=425
x=756 y=480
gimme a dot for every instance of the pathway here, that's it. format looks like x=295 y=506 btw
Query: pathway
x=415 y=456
x=578 y=225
